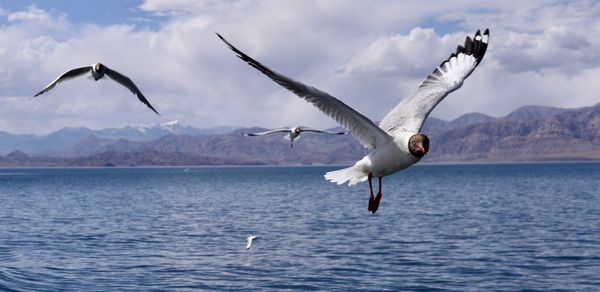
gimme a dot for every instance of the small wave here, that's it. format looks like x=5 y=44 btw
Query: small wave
x=15 y=173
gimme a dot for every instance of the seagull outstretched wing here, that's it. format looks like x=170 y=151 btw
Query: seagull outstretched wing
x=250 y=239
x=363 y=129
x=410 y=113
x=125 y=81
x=64 y=77
x=307 y=129
x=286 y=130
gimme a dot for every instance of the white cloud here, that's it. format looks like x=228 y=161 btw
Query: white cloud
x=178 y=7
x=369 y=54
x=409 y=56
x=562 y=49
x=31 y=14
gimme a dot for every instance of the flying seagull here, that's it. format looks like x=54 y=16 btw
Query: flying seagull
x=250 y=239
x=293 y=133
x=397 y=142
x=98 y=71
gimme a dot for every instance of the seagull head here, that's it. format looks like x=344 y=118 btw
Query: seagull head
x=418 y=145
x=295 y=132
x=98 y=67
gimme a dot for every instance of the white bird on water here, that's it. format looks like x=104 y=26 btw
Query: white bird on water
x=293 y=133
x=98 y=72
x=397 y=142
x=250 y=239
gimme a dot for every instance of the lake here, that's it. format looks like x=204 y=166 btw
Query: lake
x=447 y=227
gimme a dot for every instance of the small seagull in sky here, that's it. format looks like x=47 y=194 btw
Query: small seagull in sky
x=293 y=133
x=98 y=72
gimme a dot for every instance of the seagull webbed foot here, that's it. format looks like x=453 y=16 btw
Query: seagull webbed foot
x=374 y=203
x=372 y=207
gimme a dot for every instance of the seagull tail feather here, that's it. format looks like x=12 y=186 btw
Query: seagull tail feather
x=352 y=175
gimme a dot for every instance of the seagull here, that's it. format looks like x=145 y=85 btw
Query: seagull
x=98 y=71
x=250 y=239
x=396 y=143
x=293 y=133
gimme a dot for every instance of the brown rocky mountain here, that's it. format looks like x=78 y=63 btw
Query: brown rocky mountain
x=567 y=135
x=531 y=133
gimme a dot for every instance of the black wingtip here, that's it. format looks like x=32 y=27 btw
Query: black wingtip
x=145 y=101
x=468 y=46
x=257 y=65
x=38 y=94
x=152 y=108
x=478 y=45
x=231 y=47
x=225 y=41
x=475 y=47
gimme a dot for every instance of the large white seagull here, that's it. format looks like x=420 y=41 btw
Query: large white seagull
x=397 y=142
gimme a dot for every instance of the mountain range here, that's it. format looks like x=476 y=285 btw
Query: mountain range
x=531 y=133
x=527 y=134
x=54 y=142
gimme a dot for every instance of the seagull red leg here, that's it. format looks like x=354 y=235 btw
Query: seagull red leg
x=372 y=197
x=378 y=198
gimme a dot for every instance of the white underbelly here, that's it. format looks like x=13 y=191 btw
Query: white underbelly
x=388 y=160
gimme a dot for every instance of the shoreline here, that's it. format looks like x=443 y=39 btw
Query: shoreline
x=302 y=165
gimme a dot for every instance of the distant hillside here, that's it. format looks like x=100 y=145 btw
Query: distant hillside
x=273 y=149
x=54 y=143
x=228 y=149
x=464 y=120
x=535 y=112
x=530 y=133
x=524 y=135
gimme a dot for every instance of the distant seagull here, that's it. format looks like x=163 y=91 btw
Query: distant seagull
x=250 y=239
x=293 y=133
x=397 y=142
x=98 y=71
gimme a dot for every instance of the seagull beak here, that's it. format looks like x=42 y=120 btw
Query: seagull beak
x=420 y=150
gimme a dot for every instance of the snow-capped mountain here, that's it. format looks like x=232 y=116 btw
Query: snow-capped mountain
x=64 y=137
x=529 y=133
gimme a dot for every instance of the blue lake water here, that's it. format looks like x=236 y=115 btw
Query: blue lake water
x=450 y=227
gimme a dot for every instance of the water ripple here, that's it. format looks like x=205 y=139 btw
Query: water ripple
x=446 y=227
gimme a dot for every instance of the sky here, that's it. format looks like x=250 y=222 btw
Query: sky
x=369 y=54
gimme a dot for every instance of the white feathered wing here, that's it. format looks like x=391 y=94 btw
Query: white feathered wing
x=408 y=115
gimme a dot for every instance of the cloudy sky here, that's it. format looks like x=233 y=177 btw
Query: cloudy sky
x=370 y=54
